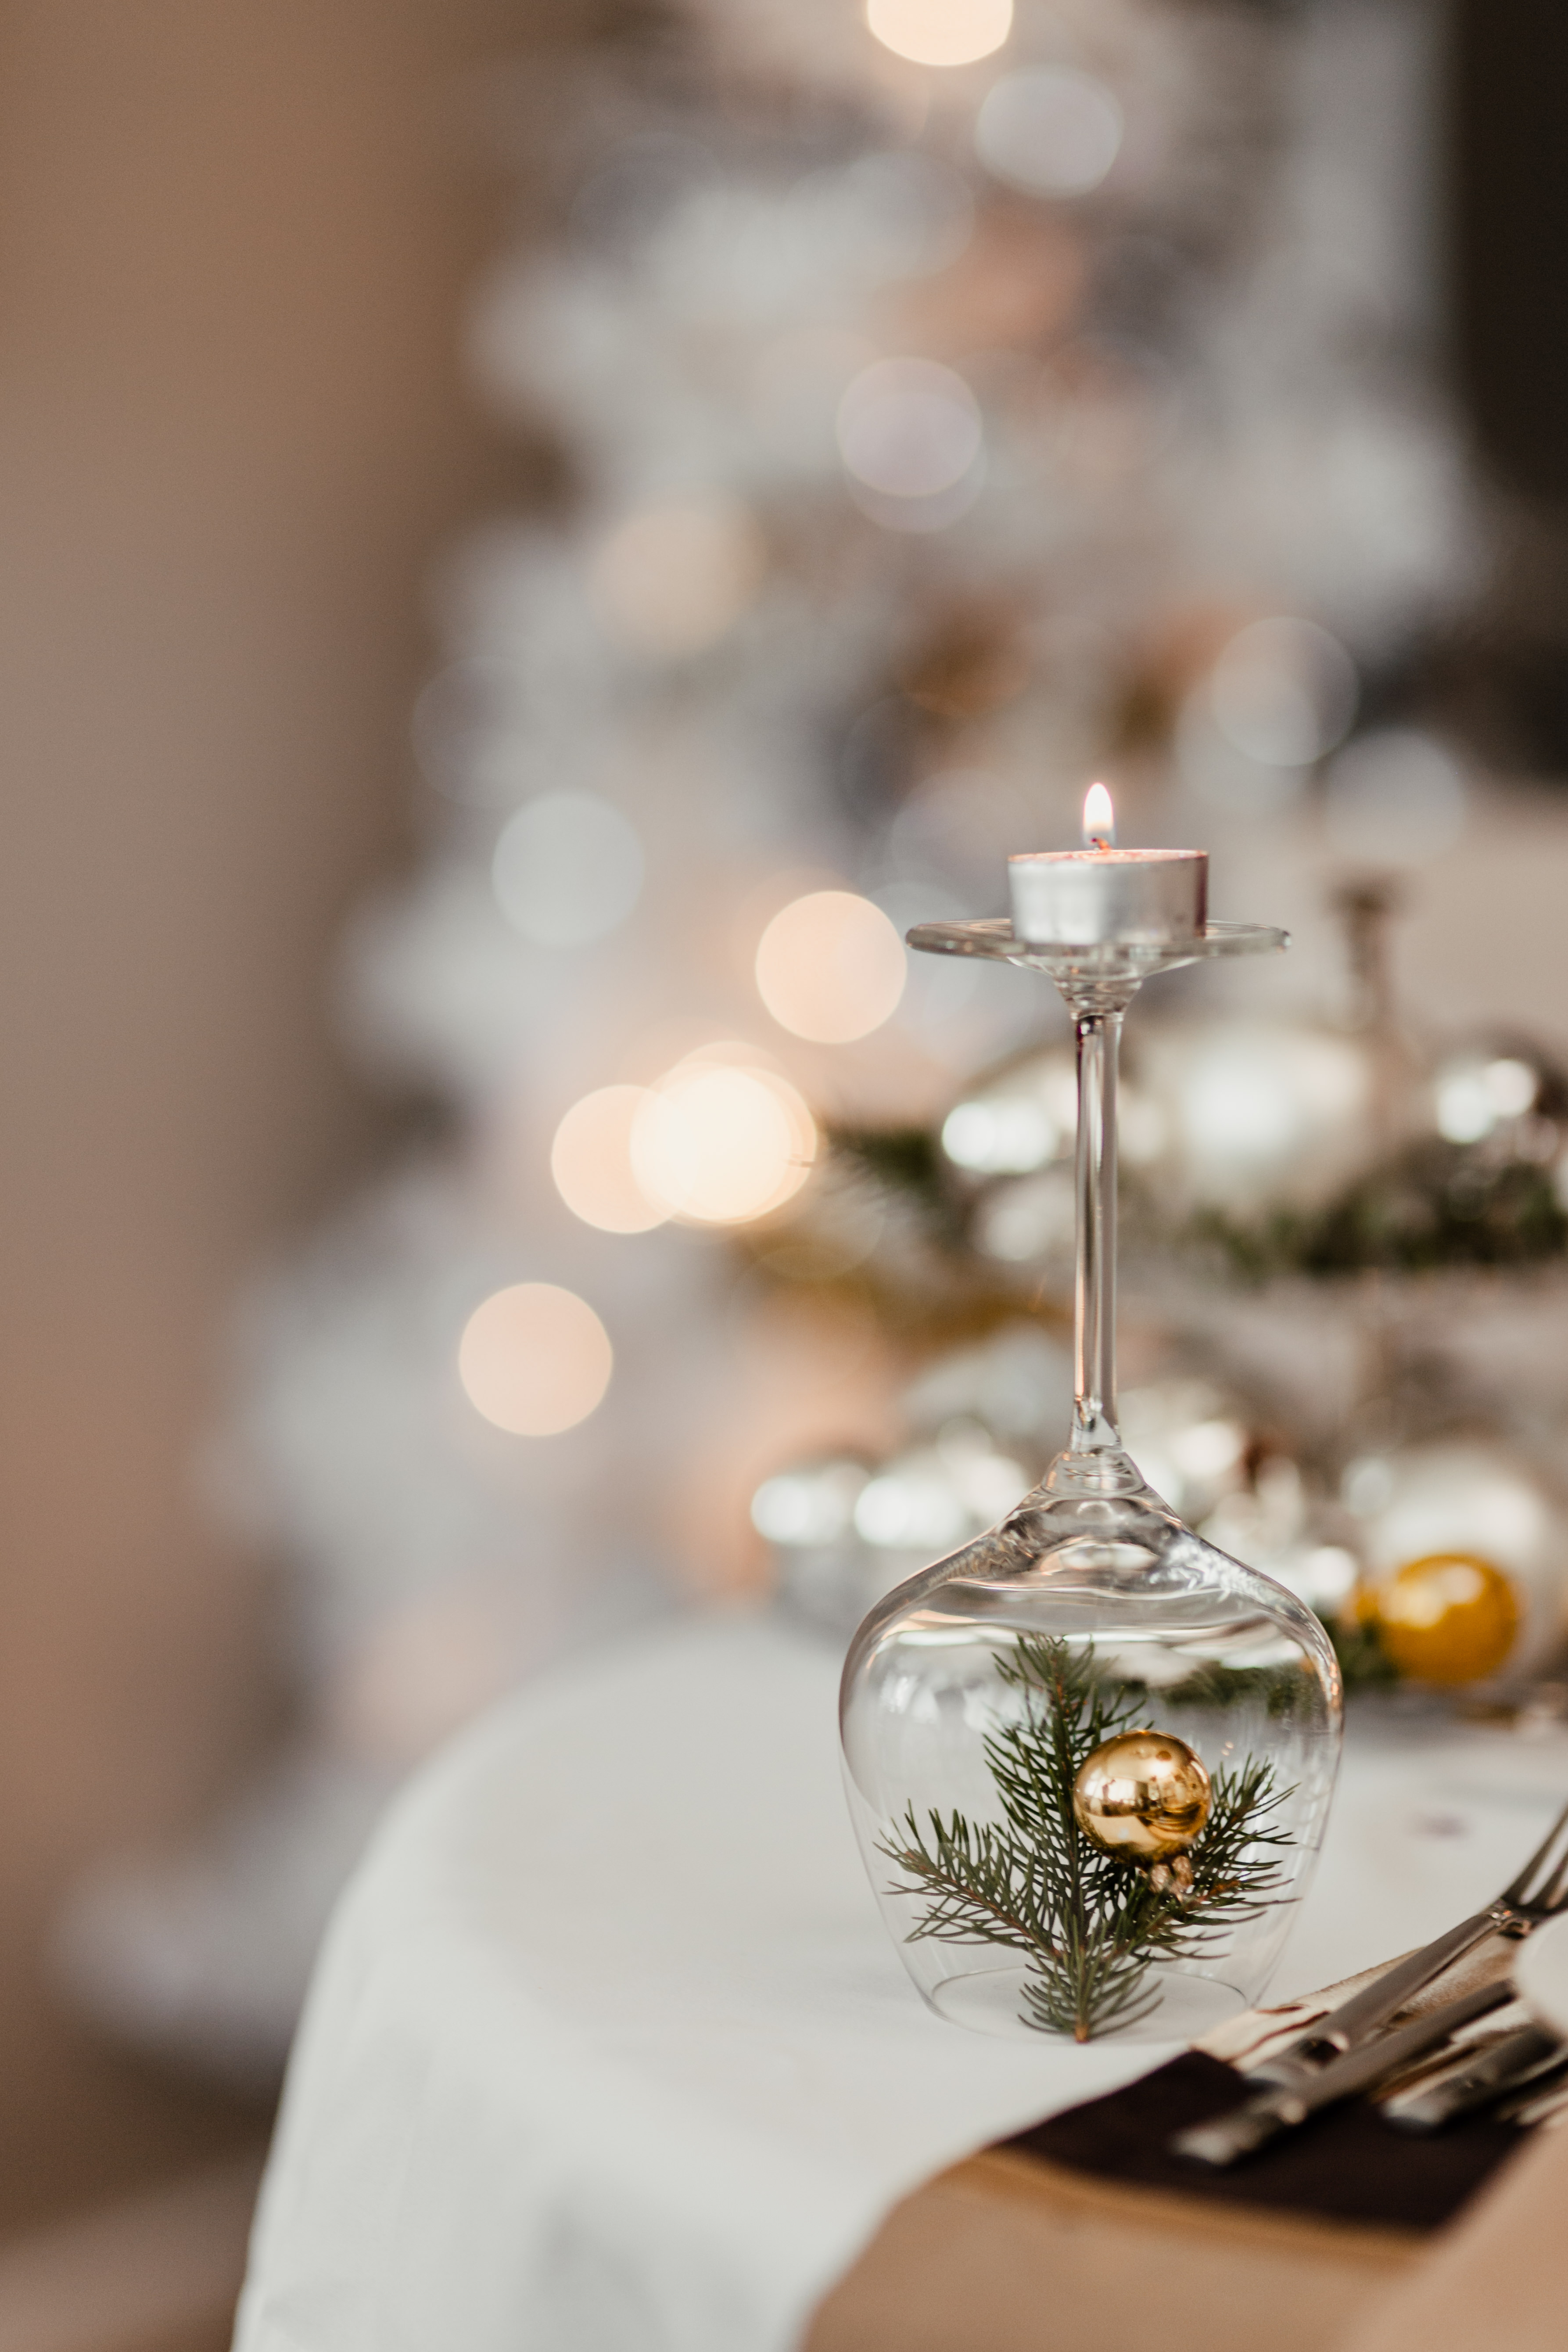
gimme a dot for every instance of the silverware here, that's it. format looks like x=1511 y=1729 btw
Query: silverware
x=1245 y=2129
x=1506 y=2064
x=1535 y=1894
x=1545 y=2103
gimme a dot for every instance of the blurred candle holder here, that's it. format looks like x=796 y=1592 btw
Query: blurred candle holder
x=942 y=1684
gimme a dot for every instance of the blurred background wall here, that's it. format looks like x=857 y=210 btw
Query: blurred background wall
x=233 y=242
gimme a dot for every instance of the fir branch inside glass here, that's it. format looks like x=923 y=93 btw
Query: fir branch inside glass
x=1087 y=1926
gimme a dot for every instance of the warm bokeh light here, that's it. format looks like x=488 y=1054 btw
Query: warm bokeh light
x=831 y=967
x=534 y=1359
x=721 y=1143
x=1050 y=130
x=590 y=1160
x=910 y=429
x=567 y=870
x=673 y=578
x=940 y=32
x=1099 y=818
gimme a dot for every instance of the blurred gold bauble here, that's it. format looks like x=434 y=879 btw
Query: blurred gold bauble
x=1448 y=1617
x=1141 y=1796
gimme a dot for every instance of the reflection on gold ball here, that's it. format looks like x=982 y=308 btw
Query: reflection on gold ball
x=1450 y=1617
x=1141 y=1796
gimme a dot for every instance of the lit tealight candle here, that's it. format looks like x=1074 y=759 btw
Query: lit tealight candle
x=1100 y=894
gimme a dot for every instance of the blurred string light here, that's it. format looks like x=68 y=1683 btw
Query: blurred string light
x=722 y=1143
x=830 y=967
x=910 y=429
x=931 y=1497
x=1284 y=692
x=1474 y=1095
x=534 y=1359
x=567 y=870
x=940 y=32
x=1394 y=797
x=590 y=1160
x=813 y=1505
x=1008 y=1137
x=672 y=579
x=1259 y=1107
x=1027 y=1116
x=721 y=1138
x=1049 y=131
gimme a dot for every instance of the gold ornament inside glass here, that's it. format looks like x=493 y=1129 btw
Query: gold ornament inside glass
x=1143 y=1797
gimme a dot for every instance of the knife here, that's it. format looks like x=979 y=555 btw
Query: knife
x=1241 y=2131
x=1507 y=2066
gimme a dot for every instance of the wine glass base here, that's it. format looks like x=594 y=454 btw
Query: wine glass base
x=991 y=2002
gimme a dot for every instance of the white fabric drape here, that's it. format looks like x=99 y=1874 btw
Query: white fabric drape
x=607 y=2051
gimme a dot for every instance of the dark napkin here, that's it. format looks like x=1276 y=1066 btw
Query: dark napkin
x=1345 y=2165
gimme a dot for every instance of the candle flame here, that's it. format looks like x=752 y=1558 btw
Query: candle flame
x=1099 y=819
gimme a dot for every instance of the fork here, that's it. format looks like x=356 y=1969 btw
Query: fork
x=1348 y=2057
x=1535 y=1893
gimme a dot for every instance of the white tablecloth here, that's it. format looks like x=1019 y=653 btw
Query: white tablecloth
x=608 y=2052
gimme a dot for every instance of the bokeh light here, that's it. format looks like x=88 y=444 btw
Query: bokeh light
x=1050 y=130
x=673 y=578
x=831 y=967
x=940 y=32
x=567 y=868
x=1258 y=1105
x=534 y=1359
x=1473 y=1096
x=590 y=1160
x=1009 y=1137
x=1284 y=692
x=909 y=429
x=1395 y=797
x=722 y=1143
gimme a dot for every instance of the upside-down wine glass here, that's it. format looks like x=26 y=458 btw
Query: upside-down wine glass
x=1092 y=1568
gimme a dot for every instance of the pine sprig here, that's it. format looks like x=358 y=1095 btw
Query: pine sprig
x=1087 y=1925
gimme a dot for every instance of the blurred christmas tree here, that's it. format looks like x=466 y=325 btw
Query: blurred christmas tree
x=944 y=406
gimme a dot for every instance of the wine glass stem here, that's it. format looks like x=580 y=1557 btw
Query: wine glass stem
x=1094 y=1303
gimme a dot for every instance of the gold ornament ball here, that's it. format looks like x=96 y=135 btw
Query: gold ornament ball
x=1449 y=1617
x=1141 y=1796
